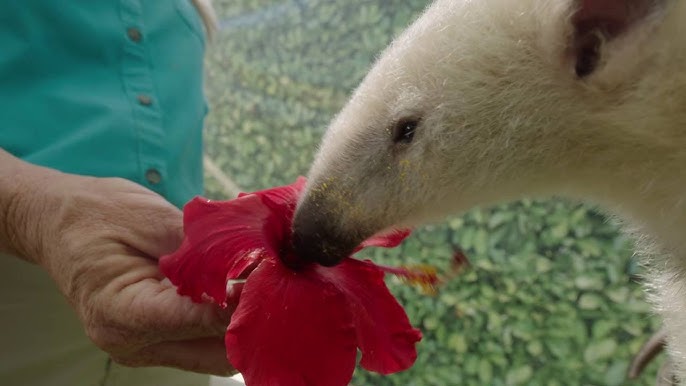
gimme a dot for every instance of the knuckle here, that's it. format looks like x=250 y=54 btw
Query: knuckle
x=228 y=371
x=79 y=287
x=109 y=337
x=162 y=218
x=131 y=361
x=104 y=339
x=196 y=366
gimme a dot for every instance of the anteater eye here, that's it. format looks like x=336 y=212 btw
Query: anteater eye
x=404 y=130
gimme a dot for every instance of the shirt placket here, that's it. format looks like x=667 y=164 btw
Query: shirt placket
x=146 y=111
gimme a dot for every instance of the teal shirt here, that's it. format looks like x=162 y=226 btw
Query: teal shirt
x=107 y=88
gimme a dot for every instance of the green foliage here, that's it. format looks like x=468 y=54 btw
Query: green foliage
x=551 y=297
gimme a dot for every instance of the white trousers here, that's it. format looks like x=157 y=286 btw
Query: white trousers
x=42 y=342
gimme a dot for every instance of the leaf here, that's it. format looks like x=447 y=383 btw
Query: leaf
x=589 y=301
x=481 y=242
x=519 y=376
x=560 y=348
x=543 y=265
x=485 y=372
x=458 y=343
x=587 y=282
x=600 y=350
x=560 y=230
x=535 y=348
x=618 y=295
x=616 y=373
x=430 y=323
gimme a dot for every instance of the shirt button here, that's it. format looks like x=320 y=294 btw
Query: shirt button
x=144 y=100
x=134 y=34
x=153 y=176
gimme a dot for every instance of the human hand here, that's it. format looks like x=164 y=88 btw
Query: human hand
x=99 y=239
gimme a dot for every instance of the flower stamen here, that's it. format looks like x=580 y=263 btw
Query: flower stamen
x=423 y=275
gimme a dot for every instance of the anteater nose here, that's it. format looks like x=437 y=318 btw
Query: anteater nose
x=311 y=247
x=316 y=239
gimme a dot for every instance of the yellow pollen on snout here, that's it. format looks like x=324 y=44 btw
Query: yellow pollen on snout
x=337 y=201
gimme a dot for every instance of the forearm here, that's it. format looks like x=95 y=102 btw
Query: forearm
x=20 y=207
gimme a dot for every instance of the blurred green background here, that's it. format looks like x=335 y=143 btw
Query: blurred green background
x=553 y=296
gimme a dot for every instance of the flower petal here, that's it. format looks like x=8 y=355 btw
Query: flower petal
x=384 y=334
x=291 y=328
x=282 y=201
x=223 y=239
x=387 y=239
x=284 y=195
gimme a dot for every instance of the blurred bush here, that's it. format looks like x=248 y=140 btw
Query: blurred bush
x=552 y=296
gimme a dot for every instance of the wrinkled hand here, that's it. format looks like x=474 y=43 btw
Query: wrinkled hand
x=99 y=239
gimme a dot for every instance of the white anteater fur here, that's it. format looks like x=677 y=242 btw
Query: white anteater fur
x=583 y=99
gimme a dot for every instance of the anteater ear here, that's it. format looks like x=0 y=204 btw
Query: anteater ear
x=597 y=22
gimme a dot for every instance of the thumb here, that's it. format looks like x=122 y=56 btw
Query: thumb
x=172 y=236
x=156 y=227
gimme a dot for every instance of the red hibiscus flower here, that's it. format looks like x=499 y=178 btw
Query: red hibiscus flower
x=292 y=326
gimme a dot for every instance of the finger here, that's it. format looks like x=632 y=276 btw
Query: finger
x=146 y=313
x=205 y=355
x=148 y=223
x=223 y=315
x=169 y=235
x=143 y=303
x=150 y=312
x=159 y=231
